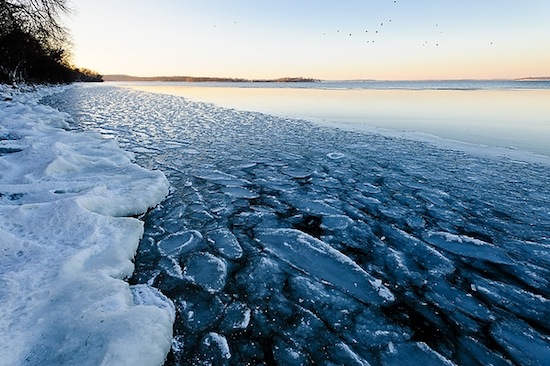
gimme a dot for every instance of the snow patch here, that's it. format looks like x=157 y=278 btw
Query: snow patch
x=65 y=247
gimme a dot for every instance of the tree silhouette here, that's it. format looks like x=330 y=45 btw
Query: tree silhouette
x=33 y=43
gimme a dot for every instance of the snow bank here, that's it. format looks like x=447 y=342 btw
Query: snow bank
x=66 y=246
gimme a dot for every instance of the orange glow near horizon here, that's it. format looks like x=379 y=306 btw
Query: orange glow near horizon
x=366 y=39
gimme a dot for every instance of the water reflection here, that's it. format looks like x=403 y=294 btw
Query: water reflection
x=506 y=118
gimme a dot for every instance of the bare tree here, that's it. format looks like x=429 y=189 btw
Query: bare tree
x=32 y=38
x=41 y=19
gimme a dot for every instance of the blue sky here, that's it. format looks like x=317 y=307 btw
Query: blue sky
x=369 y=39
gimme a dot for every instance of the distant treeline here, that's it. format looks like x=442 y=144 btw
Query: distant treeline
x=34 y=47
x=192 y=79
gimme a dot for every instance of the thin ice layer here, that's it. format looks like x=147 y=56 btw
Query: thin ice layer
x=63 y=254
x=468 y=247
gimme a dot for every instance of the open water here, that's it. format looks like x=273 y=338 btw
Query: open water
x=506 y=114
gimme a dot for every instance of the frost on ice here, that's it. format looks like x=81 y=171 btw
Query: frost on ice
x=66 y=247
x=283 y=242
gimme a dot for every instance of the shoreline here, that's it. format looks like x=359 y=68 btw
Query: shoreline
x=69 y=245
x=203 y=79
x=68 y=242
x=258 y=201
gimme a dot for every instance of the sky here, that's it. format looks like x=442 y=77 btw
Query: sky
x=331 y=40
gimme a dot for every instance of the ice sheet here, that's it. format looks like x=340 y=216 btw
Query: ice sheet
x=278 y=236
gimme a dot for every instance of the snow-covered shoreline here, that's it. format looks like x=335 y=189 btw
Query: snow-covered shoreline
x=67 y=244
x=285 y=242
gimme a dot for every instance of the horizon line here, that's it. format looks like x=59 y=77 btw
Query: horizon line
x=127 y=77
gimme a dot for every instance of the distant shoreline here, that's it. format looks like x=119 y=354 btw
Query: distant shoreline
x=535 y=78
x=206 y=79
x=203 y=79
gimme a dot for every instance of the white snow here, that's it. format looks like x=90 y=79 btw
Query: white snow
x=66 y=247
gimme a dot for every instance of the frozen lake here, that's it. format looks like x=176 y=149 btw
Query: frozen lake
x=286 y=242
x=504 y=114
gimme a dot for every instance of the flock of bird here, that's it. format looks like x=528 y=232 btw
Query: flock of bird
x=377 y=31
x=372 y=35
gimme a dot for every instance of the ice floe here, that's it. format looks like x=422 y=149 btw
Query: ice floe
x=323 y=262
